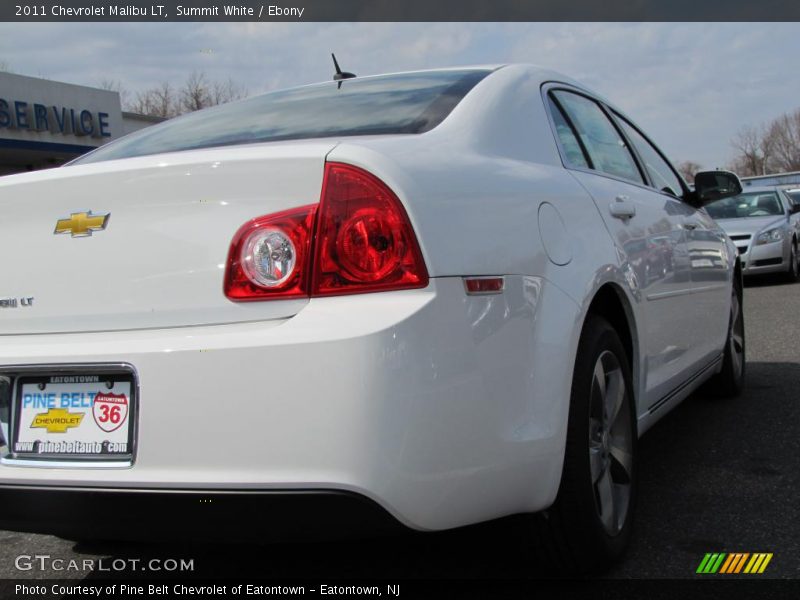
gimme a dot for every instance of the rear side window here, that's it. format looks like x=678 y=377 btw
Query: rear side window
x=388 y=104
x=566 y=135
x=658 y=169
x=606 y=148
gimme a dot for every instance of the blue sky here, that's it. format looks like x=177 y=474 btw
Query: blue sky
x=691 y=86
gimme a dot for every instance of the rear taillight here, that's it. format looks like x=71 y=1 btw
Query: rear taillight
x=269 y=256
x=359 y=234
x=364 y=241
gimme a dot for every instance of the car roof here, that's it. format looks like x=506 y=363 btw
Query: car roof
x=487 y=67
x=537 y=71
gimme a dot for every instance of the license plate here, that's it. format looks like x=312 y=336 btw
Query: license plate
x=76 y=416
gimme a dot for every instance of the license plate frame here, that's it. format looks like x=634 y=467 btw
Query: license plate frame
x=124 y=380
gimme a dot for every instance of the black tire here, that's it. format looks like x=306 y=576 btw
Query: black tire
x=571 y=534
x=729 y=382
x=793 y=273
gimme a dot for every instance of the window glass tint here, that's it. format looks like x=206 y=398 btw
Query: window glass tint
x=661 y=174
x=387 y=104
x=569 y=143
x=794 y=195
x=599 y=136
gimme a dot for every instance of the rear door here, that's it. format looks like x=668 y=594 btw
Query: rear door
x=707 y=252
x=647 y=226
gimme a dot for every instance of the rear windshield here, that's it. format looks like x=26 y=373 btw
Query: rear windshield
x=387 y=104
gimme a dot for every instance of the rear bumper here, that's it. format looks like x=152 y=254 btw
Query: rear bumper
x=442 y=408
x=192 y=515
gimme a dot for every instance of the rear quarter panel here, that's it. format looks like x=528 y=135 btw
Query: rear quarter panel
x=474 y=188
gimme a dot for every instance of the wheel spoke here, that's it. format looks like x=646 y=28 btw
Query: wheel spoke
x=605 y=497
x=600 y=379
x=737 y=330
x=596 y=463
x=738 y=342
x=614 y=396
x=622 y=456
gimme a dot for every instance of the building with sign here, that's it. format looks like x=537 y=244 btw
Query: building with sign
x=46 y=123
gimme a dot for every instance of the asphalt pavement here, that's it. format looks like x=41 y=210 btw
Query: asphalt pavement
x=716 y=476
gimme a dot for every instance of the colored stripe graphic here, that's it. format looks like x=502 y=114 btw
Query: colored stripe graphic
x=758 y=563
x=717 y=564
x=703 y=563
x=739 y=566
x=729 y=562
x=734 y=563
x=711 y=562
x=753 y=564
x=765 y=563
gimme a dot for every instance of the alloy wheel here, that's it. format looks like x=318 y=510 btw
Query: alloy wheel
x=736 y=340
x=610 y=443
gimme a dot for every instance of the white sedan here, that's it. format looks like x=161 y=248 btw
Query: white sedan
x=418 y=300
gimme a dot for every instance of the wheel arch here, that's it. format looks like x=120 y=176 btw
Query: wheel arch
x=737 y=272
x=611 y=303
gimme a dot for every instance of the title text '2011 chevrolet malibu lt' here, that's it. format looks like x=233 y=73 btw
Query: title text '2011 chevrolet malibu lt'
x=420 y=300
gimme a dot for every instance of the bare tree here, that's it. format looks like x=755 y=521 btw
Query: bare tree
x=114 y=85
x=5 y=66
x=773 y=148
x=159 y=101
x=688 y=169
x=196 y=93
x=750 y=158
x=227 y=91
x=783 y=136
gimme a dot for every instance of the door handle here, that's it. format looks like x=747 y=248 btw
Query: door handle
x=689 y=225
x=622 y=208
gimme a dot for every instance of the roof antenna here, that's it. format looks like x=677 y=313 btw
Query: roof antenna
x=340 y=75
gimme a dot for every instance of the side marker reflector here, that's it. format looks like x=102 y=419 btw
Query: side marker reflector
x=477 y=286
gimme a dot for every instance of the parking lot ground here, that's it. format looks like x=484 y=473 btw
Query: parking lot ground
x=716 y=476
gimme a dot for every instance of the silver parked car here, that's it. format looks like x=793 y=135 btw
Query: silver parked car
x=794 y=194
x=764 y=223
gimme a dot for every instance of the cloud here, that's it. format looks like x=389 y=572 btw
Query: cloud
x=689 y=85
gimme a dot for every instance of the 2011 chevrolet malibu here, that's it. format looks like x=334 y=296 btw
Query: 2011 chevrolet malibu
x=419 y=300
x=764 y=224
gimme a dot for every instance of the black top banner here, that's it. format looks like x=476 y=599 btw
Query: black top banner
x=399 y=11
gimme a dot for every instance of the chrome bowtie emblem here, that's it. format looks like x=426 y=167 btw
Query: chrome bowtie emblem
x=82 y=224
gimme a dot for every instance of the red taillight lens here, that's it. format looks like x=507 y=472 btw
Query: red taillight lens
x=364 y=240
x=269 y=256
x=361 y=237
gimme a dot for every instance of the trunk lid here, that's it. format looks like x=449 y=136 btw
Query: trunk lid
x=161 y=258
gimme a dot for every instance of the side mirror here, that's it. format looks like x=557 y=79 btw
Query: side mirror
x=710 y=186
x=794 y=208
